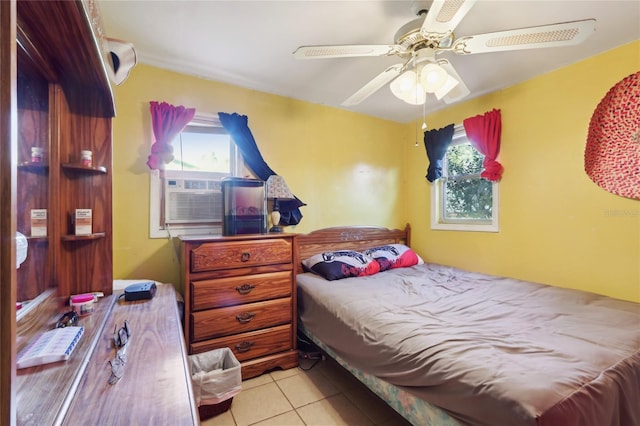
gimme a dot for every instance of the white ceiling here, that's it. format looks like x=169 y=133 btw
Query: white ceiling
x=250 y=43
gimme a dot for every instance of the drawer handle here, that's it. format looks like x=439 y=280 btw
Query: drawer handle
x=245 y=346
x=245 y=288
x=245 y=257
x=245 y=317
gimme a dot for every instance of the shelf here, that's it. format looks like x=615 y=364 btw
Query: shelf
x=93 y=236
x=37 y=239
x=33 y=167
x=82 y=167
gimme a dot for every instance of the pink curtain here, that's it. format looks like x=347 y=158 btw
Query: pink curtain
x=168 y=121
x=484 y=133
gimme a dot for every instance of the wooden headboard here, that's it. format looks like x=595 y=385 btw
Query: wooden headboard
x=347 y=238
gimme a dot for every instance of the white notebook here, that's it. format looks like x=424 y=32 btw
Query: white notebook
x=51 y=346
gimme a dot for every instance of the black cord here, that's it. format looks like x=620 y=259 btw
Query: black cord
x=304 y=357
x=309 y=357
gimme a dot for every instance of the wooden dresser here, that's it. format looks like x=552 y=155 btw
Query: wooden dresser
x=240 y=293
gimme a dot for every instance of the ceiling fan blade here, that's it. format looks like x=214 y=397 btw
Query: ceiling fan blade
x=458 y=91
x=554 y=35
x=374 y=85
x=346 y=51
x=444 y=16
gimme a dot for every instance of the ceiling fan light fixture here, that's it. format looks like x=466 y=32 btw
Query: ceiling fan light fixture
x=448 y=85
x=407 y=88
x=417 y=96
x=433 y=77
x=404 y=84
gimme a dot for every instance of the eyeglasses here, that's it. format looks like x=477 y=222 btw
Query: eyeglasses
x=69 y=319
x=117 y=369
x=120 y=338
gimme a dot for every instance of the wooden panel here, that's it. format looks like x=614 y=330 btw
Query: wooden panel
x=236 y=290
x=238 y=319
x=240 y=254
x=59 y=40
x=257 y=366
x=82 y=265
x=250 y=345
x=34 y=275
x=7 y=209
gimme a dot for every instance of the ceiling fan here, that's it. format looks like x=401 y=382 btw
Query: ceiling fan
x=418 y=43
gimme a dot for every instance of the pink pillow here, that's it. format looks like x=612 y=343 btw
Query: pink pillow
x=394 y=256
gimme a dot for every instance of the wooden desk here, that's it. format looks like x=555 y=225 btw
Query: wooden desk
x=43 y=392
x=156 y=386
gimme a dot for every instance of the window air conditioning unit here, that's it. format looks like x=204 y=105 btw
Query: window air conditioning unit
x=192 y=201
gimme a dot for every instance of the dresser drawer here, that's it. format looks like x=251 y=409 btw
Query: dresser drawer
x=241 y=318
x=221 y=292
x=252 y=344
x=241 y=254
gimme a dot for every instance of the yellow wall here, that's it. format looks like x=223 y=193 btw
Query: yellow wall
x=347 y=167
x=556 y=225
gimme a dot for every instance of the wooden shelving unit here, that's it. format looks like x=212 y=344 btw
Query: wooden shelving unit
x=65 y=105
x=33 y=167
x=93 y=236
x=83 y=168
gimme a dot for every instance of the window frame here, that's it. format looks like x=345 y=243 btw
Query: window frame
x=437 y=200
x=156 y=189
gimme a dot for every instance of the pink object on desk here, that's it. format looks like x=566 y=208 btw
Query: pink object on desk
x=82 y=303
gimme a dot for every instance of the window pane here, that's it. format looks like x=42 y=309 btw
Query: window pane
x=461 y=200
x=205 y=152
x=468 y=199
x=463 y=159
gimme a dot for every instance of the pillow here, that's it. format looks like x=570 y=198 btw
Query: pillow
x=394 y=256
x=335 y=265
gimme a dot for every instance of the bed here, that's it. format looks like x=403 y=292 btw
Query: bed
x=444 y=346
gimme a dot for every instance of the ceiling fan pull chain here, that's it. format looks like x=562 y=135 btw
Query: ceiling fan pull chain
x=416 y=131
x=424 y=117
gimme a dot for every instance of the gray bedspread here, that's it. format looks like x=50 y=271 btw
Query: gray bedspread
x=487 y=350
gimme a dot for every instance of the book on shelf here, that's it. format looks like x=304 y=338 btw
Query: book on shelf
x=51 y=346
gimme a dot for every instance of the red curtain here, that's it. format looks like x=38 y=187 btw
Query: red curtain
x=484 y=133
x=168 y=121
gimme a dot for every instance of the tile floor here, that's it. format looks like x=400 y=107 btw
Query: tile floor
x=325 y=395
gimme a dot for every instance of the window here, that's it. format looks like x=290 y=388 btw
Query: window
x=186 y=196
x=461 y=200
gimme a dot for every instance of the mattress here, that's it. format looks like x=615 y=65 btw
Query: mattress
x=487 y=350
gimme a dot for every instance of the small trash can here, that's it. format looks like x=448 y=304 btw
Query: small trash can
x=216 y=379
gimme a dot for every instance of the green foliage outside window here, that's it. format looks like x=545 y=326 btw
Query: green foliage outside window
x=466 y=194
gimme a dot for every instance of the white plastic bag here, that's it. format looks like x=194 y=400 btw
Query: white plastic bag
x=215 y=375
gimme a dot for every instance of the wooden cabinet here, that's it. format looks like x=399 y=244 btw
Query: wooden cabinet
x=240 y=293
x=55 y=95
x=64 y=105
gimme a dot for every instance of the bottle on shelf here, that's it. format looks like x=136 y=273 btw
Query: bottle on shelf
x=36 y=154
x=86 y=158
